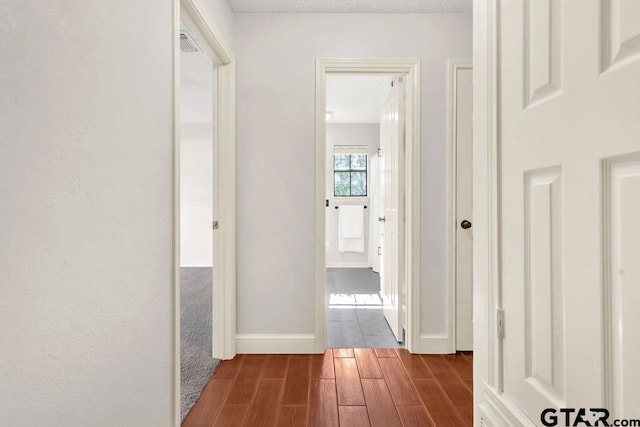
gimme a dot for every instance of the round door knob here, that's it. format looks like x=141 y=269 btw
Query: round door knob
x=381 y=218
x=465 y=224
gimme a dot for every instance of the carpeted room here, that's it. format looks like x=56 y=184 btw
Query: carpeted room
x=196 y=362
x=196 y=211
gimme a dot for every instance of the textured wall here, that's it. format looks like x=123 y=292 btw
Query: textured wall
x=276 y=80
x=221 y=14
x=85 y=213
x=352 y=6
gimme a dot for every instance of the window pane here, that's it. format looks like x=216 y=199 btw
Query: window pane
x=358 y=183
x=341 y=162
x=342 y=187
x=359 y=162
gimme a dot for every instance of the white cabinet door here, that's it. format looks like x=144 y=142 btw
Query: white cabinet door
x=391 y=137
x=569 y=148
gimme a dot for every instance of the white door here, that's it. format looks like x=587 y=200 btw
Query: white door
x=463 y=92
x=375 y=227
x=391 y=137
x=569 y=135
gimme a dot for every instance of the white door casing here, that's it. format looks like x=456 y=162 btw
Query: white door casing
x=392 y=130
x=410 y=70
x=560 y=149
x=461 y=200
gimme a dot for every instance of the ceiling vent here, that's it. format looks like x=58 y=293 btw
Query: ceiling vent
x=187 y=44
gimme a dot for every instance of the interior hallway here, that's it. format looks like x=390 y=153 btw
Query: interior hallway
x=354 y=310
x=347 y=387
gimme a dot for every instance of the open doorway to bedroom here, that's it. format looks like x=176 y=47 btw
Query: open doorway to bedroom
x=196 y=214
x=203 y=205
x=365 y=131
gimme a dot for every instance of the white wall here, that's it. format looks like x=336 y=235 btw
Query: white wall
x=222 y=16
x=196 y=160
x=348 y=134
x=86 y=213
x=196 y=195
x=276 y=78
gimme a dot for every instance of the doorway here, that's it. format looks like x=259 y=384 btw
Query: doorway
x=360 y=112
x=204 y=205
x=367 y=255
x=196 y=213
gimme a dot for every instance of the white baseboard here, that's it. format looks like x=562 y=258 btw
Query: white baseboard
x=487 y=416
x=435 y=344
x=348 y=265
x=276 y=344
x=503 y=411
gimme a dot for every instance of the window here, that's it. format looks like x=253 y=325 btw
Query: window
x=349 y=175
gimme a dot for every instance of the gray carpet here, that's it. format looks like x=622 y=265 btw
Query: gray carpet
x=196 y=363
x=354 y=310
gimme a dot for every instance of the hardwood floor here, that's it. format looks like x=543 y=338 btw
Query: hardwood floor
x=343 y=387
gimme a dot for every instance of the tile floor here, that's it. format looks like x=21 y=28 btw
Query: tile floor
x=354 y=310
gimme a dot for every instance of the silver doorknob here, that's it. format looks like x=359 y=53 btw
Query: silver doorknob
x=465 y=224
x=381 y=219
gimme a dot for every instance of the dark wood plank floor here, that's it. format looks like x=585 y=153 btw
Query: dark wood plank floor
x=343 y=387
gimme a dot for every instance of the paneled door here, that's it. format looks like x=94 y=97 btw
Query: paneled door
x=392 y=134
x=569 y=138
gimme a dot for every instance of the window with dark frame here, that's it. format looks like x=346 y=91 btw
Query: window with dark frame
x=349 y=175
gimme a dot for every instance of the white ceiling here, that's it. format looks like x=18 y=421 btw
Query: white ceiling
x=354 y=99
x=352 y=6
x=196 y=88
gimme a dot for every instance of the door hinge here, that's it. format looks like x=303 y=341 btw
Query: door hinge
x=379 y=152
x=500 y=323
x=215 y=225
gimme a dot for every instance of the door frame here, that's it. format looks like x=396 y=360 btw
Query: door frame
x=453 y=65
x=410 y=68
x=201 y=26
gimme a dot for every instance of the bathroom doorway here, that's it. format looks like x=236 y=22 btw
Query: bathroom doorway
x=365 y=134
